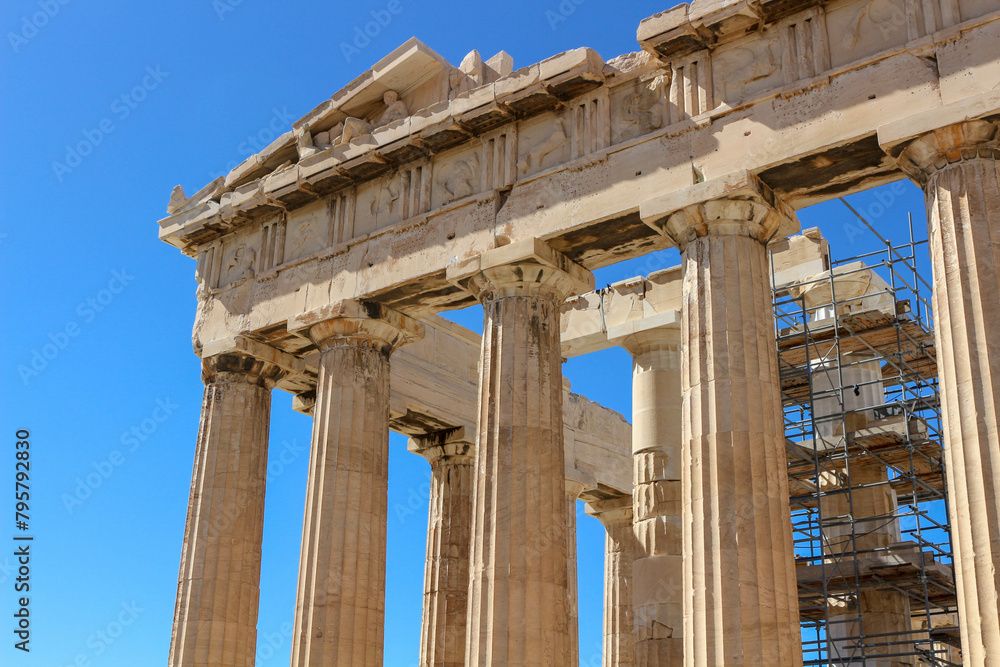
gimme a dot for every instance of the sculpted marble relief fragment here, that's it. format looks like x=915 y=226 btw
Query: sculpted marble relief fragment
x=747 y=67
x=241 y=263
x=458 y=179
x=544 y=145
x=393 y=109
x=861 y=29
x=640 y=107
x=383 y=197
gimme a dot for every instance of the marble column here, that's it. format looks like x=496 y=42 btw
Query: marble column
x=449 y=525
x=959 y=170
x=878 y=618
x=519 y=611
x=619 y=554
x=215 y=617
x=573 y=491
x=740 y=595
x=656 y=498
x=340 y=606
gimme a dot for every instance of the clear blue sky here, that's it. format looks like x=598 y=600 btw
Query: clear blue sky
x=167 y=93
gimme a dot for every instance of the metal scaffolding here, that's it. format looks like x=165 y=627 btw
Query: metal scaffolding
x=866 y=466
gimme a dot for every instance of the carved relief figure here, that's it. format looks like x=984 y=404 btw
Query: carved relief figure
x=328 y=138
x=386 y=198
x=643 y=108
x=303 y=236
x=536 y=156
x=459 y=82
x=458 y=178
x=241 y=265
x=885 y=15
x=177 y=200
x=750 y=65
x=355 y=127
x=395 y=109
x=305 y=144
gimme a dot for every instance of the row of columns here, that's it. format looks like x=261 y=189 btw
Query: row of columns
x=700 y=567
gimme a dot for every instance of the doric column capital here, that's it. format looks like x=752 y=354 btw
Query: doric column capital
x=920 y=157
x=657 y=335
x=237 y=367
x=735 y=204
x=523 y=268
x=357 y=323
x=449 y=447
x=616 y=511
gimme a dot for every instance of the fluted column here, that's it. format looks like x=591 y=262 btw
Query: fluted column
x=959 y=170
x=340 y=606
x=740 y=598
x=215 y=617
x=619 y=554
x=449 y=526
x=860 y=525
x=656 y=496
x=573 y=491
x=519 y=589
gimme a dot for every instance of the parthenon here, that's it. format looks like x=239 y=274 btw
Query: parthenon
x=799 y=424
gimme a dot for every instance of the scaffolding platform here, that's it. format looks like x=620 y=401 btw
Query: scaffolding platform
x=866 y=468
x=904 y=343
x=902 y=567
x=896 y=443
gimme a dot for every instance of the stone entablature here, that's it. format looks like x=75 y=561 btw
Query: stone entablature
x=565 y=150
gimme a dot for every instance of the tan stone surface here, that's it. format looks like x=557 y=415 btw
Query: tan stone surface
x=862 y=526
x=422 y=186
x=573 y=491
x=435 y=385
x=957 y=166
x=619 y=554
x=519 y=591
x=656 y=446
x=449 y=525
x=340 y=606
x=215 y=617
x=740 y=594
x=477 y=163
